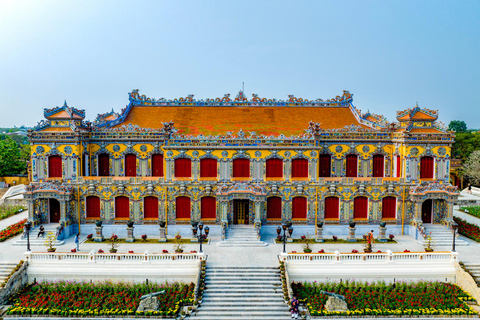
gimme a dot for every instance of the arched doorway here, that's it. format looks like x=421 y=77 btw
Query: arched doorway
x=54 y=210
x=427 y=210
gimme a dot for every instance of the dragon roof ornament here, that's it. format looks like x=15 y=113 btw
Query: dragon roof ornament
x=70 y=110
x=412 y=111
x=345 y=99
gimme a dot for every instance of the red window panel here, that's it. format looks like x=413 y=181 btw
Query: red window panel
x=274 y=168
x=208 y=208
x=241 y=168
x=325 y=165
x=299 y=208
x=157 y=165
x=93 y=207
x=103 y=165
x=389 y=208
x=360 y=208
x=274 y=208
x=55 y=167
x=150 y=208
x=332 y=206
x=130 y=165
x=299 y=168
x=122 y=208
x=378 y=166
x=426 y=168
x=351 y=166
x=182 y=206
x=208 y=168
x=183 y=168
x=399 y=166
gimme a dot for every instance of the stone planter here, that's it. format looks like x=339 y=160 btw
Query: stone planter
x=319 y=235
x=130 y=237
x=382 y=233
x=351 y=234
x=98 y=234
x=53 y=249
x=113 y=250
x=163 y=234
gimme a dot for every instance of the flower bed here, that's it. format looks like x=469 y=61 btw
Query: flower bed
x=380 y=299
x=468 y=230
x=8 y=210
x=473 y=210
x=12 y=230
x=98 y=299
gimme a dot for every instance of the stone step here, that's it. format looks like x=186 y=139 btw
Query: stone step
x=242 y=313
x=243 y=290
x=242 y=274
x=36 y=242
x=242 y=267
x=242 y=308
x=251 y=294
x=259 y=300
x=242 y=244
x=209 y=317
x=245 y=286
x=235 y=303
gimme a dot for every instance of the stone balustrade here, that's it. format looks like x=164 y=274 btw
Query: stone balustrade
x=116 y=267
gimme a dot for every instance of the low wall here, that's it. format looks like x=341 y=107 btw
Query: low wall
x=14 y=284
x=387 y=266
x=116 y=267
x=18 y=180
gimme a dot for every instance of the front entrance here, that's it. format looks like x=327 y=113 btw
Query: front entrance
x=54 y=210
x=427 y=207
x=240 y=211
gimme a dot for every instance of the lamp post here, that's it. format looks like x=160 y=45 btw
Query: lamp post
x=28 y=225
x=454 y=229
x=200 y=236
x=284 y=237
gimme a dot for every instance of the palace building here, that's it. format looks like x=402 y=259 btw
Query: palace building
x=240 y=161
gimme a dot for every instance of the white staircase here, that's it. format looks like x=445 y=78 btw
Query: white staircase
x=474 y=269
x=40 y=241
x=5 y=269
x=442 y=236
x=241 y=236
x=234 y=293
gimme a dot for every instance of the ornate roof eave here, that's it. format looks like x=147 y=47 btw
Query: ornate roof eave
x=70 y=110
x=241 y=187
x=434 y=187
x=48 y=187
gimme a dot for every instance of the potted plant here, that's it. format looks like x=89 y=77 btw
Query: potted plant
x=113 y=242
x=178 y=247
x=428 y=243
x=307 y=246
x=50 y=241
x=98 y=223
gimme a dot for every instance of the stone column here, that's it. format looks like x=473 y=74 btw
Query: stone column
x=63 y=210
x=351 y=235
x=288 y=170
x=382 y=230
x=163 y=234
x=130 y=236
x=449 y=213
x=319 y=235
x=196 y=170
x=417 y=211
x=98 y=234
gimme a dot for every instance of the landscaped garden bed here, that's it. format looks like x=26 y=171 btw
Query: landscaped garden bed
x=380 y=299
x=472 y=210
x=99 y=299
x=468 y=230
x=8 y=210
x=12 y=230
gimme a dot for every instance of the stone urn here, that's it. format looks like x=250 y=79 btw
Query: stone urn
x=382 y=231
x=351 y=232
x=163 y=231
x=130 y=236
x=319 y=235
x=98 y=231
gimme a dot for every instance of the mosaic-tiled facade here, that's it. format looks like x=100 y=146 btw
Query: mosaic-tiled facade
x=366 y=157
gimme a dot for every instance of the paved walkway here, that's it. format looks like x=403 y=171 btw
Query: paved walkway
x=13 y=219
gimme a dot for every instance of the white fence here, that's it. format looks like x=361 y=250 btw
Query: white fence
x=133 y=267
x=387 y=266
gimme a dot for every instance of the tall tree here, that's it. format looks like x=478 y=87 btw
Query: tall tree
x=471 y=167
x=457 y=126
x=11 y=162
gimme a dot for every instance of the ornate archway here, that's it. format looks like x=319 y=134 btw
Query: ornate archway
x=433 y=203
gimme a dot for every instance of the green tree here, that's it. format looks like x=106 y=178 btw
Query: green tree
x=457 y=126
x=471 y=167
x=465 y=144
x=11 y=161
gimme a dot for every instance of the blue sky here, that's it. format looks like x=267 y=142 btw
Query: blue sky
x=389 y=54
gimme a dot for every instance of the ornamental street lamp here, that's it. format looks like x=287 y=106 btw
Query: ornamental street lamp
x=28 y=225
x=201 y=237
x=284 y=237
x=454 y=229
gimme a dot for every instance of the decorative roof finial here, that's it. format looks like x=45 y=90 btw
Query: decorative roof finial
x=416 y=104
x=65 y=103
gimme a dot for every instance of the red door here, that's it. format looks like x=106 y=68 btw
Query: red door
x=274 y=168
x=150 y=208
x=360 y=208
x=241 y=168
x=325 y=165
x=427 y=211
x=183 y=168
x=208 y=168
x=274 y=208
x=93 y=207
x=299 y=208
x=332 y=205
x=182 y=205
x=54 y=210
x=103 y=165
x=426 y=168
x=122 y=208
x=130 y=165
x=299 y=168
x=378 y=166
x=55 y=167
x=157 y=165
x=389 y=208
x=351 y=166
x=208 y=208
x=399 y=166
